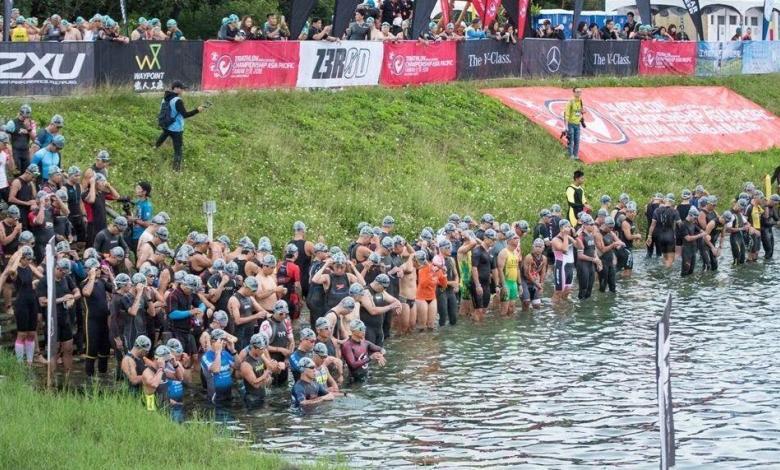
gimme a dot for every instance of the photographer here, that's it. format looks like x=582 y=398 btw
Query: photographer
x=172 y=120
x=573 y=117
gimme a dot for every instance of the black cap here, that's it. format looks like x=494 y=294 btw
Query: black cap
x=178 y=84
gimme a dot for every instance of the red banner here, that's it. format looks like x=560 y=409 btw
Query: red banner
x=667 y=58
x=491 y=10
x=249 y=64
x=413 y=63
x=627 y=123
x=522 y=18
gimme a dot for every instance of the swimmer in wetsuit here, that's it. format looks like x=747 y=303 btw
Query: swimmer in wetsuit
x=563 y=251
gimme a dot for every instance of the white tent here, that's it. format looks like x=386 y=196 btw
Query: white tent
x=741 y=6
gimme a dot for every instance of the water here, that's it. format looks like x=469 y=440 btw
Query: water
x=569 y=387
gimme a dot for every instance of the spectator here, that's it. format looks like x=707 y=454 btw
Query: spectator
x=494 y=31
x=52 y=29
x=645 y=32
x=748 y=35
x=391 y=10
x=317 y=32
x=32 y=30
x=71 y=33
x=81 y=25
x=398 y=27
x=662 y=35
x=633 y=26
x=460 y=30
x=405 y=8
x=229 y=29
x=682 y=35
x=738 y=35
x=474 y=31
x=157 y=32
x=429 y=34
x=673 y=32
x=173 y=32
x=273 y=29
x=93 y=28
x=249 y=30
x=358 y=30
x=176 y=130
x=582 y=31
x=141 y=32
x=545 y=30
x=510 y=37
x=19 y=33
x=384 y=34
x=450 y=34
x=558 y=33
x=594 y=32
x=608 y=32
x=110 y=32
x=370 y=9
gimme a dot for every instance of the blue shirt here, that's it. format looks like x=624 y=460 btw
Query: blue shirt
x=178 y=119
x=295 y=358
x=46 y=159
x=175 y=387
x=43 y=138
x=475 y=34
x=302 y=391
x=143 y=211
x=222 y=380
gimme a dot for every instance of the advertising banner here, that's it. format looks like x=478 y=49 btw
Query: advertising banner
x=630 y=122
x=667 y=58
x=149 y=65
x=718 y=58
x=413 y=63
x=695 y=11
x=339 y=64
x=664 y=387
x=760 y=57
x=249 y=64
x=488 y=59
x=46 y=68
x=551 y=57
x=611 y=58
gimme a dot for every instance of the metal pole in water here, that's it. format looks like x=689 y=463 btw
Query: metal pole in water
x=664 y=387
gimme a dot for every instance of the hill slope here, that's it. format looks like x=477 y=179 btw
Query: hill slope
x=333 y=159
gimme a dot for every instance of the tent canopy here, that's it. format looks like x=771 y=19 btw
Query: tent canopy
x=741 y=6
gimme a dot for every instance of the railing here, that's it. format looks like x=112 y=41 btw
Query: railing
x=62 y=68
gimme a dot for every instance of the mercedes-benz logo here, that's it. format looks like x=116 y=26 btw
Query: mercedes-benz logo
x=554 y=59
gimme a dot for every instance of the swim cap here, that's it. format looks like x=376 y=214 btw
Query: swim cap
x=606 y=199
x=258 y=341
x=307 y=333
x=357 y=325
x=383 y=280
x=281 y=307
x=221 y=317
x=122 y=280
x=175 y=345
x=348 y=302
x=143 y=342
x=320 y=349
x=251 y=284
x=322 y=322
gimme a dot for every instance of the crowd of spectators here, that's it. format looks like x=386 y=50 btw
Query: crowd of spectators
x=98 y=28
x=390 y=21
x=611 y=31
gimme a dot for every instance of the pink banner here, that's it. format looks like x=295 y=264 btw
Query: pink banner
x=249 y=64
x=414 y=63
x=627 y=123
x=667 y=58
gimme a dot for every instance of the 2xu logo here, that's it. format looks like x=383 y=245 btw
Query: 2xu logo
x=48 y=66
x=341 y=63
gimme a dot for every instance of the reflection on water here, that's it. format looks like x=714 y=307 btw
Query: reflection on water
x=568 y=387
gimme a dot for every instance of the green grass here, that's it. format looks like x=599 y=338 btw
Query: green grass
x=334 y=159
x=100 y=430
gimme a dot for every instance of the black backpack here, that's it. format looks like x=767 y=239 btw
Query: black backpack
x=165 y=117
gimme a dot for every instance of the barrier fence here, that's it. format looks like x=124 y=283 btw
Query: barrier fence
x=50 y=68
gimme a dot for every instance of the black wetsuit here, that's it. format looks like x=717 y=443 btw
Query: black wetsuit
x=625 y=257
x=139 y=369
x=337 y=290
x=315 y=299
x=480 y=259
x=25 y=194
x=664 y=235
x=446 y=299
x=374 y=332
x=254 y=397
x=649 y=216
x=96 y=313
x=689 y=248
x=768 y=222
x=586 y=270
x=279 y=339
x=608 y=271
x=26 y=302
x=737 y=240
x=712 y=259
x=245 y=309
x=304 y=263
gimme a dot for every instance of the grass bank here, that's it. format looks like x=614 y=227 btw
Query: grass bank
x=333 y=159
x=105 y=430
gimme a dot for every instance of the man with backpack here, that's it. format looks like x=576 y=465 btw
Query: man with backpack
x=171 y=120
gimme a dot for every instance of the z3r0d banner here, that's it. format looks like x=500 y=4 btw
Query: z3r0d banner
x=46 y=68
x=347 y=63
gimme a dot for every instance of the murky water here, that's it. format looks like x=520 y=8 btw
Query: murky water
x=566 y=388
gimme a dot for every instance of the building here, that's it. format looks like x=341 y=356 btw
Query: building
x=720 y=18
